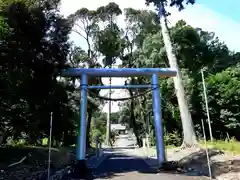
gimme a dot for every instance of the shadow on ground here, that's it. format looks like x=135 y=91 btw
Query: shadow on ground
x=129 y=167
x=119 y=164
x=193 y=166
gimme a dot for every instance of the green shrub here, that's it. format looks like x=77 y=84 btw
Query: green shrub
x=173 y=139
x=17 y=143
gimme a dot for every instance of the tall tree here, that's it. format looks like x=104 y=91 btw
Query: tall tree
x=109 y=45
x=33 y=53
x=85 y=23
x=187 y=124
x=140 y=25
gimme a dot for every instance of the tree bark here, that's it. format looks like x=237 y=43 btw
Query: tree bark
x=89 y=119
x=108 y=125
x=189 y=136
x=133 y=121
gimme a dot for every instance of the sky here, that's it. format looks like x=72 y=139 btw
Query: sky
x=210 y=15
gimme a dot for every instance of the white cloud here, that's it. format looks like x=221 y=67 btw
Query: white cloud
x=198 y=16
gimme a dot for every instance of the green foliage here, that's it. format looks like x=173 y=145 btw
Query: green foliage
x=224 y=95
x=173 y=139
x=195 y=49
x=109 y=44
x=4 y=28
x=178 y=3
x=108 y=40
x=107 y=13
x=35 y=47
x=33 y=52
x=17 y=143
x=99 y=127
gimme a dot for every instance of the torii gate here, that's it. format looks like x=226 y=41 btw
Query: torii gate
x=84 y=73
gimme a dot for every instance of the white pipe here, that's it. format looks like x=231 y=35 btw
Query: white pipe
x=206 y=104
x=50 y=145
x=208 y=159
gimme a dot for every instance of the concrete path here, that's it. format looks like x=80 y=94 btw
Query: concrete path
x=121 y=166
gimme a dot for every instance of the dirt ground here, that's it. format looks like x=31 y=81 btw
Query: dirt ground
x=35 y=160
x=224 y=166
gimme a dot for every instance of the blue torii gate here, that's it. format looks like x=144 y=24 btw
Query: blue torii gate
x=84 y=73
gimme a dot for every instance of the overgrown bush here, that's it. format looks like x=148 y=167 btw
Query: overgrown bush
x=173 y=139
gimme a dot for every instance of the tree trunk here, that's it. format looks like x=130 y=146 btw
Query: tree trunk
x=189 y=136
x=4 y=136
x=133 y=121
x=89 y=118
x=108 y=125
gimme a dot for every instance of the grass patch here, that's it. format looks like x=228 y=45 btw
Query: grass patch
x=167 y=147
x=232 y=145
x=170 y=146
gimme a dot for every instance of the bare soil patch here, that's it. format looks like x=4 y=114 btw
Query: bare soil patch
x=22 y=162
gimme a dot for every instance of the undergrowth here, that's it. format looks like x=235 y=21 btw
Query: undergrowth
x=232 y=145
